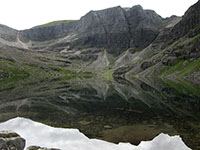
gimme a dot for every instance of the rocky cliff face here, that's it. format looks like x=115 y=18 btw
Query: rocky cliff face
x=190 y=20
x=115 y=29
x=47 y=32
x=144 y=26
x=188 y=28
x=107 y=28
x=119 y=28
x=7 y=33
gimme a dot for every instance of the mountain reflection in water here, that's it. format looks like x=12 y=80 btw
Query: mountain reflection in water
x=116 y=111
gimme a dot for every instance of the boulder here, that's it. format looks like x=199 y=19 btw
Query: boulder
x=170 y=61
x=10 y=140
x=146 y=65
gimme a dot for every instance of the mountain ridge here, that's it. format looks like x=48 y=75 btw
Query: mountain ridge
x=110 y=33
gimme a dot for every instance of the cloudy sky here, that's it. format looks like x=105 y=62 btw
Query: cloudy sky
x=23 y=14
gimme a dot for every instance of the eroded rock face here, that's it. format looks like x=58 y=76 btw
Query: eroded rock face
x=105 y=28
x=119 y=28
x=10 y=140
x=144 y=26
x=45 y=33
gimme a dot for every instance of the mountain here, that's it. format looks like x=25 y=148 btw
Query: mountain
x=106 y=64
x=174 y=53
x=115 y=41
x=113 y=28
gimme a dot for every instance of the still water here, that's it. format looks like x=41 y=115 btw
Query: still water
x=115 y=111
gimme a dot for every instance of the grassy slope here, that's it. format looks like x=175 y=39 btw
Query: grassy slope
x=56 y=22
x=181 y=68
x=33 y=67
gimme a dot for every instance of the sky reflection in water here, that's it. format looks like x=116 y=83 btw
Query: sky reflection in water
x=71 y=139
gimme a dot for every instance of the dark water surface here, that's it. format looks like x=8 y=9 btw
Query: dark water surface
x=117 y=111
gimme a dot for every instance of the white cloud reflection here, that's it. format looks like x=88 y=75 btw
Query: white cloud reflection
x=71 y=139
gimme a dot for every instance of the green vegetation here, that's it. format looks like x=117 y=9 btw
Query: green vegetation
x=56 y=22
x=192 y=88
x=183 y=86
x=33 y=71
x=190 y=67
x=133 y=50
x=182 y=68
x=108 y=75
x=173 y=69
x=81 y=47
x=195 y=38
